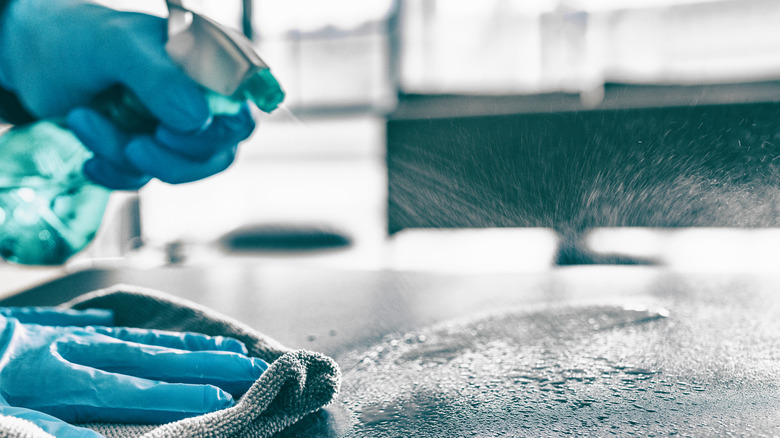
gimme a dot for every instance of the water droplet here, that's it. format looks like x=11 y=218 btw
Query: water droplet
x=638 y=371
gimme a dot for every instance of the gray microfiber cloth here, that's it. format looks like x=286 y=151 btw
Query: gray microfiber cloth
x=297 y=382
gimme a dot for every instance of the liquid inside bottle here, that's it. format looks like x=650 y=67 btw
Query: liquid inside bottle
x=48 y=209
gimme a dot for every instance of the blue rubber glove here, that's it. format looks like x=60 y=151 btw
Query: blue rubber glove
x=51 y=425
x=56 y=55
x=116 y=374
x=59 y=316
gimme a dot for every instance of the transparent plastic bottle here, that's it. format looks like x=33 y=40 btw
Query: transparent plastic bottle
x=49 y=210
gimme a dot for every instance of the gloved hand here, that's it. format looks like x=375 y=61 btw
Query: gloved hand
x=116 y=374
x=59 y=316
x=57 y=55
x=51 y=425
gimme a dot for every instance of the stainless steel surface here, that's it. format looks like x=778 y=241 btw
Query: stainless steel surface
x=590 y=351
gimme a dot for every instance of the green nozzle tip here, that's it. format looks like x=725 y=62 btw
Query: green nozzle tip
x=264 y=90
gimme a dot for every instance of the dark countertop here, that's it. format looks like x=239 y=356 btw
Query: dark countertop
x=586 y=351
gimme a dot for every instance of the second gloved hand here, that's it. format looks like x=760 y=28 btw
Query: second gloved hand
x=114 y=374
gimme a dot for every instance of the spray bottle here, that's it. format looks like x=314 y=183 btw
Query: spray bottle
x=49 y=210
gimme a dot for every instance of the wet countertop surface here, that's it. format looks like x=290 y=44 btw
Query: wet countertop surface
x=581 y=351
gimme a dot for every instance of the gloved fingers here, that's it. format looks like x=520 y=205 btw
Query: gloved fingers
x=108 y=167
x=232 y=372
x=177 y=340
x=123 y=161
x=143 y=66
x=224 y=129
x=172 y=97
x=98 y=134
x=90 y=395
x=56 y=316
x=108 y=175
x=150 y=157
x=51 y=425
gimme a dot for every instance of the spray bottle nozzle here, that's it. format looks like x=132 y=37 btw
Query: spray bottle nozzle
x=220 y=59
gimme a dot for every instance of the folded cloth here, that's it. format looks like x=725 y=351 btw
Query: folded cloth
x=297 y=382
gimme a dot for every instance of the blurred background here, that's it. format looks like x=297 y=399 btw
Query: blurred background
x=490 y=136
